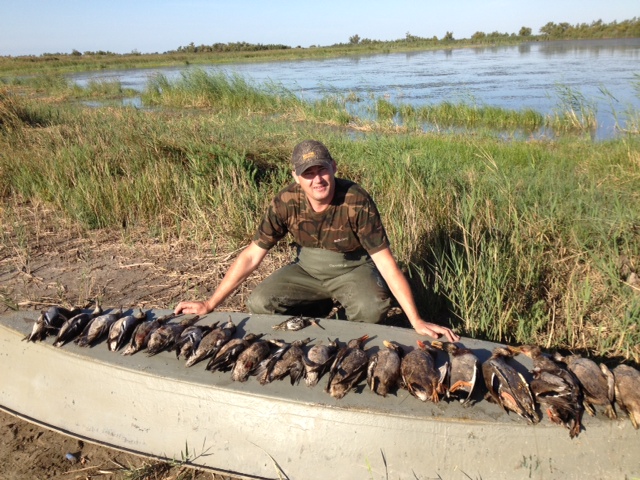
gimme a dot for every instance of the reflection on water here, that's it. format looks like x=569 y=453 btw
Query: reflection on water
x=132 y=102
x=135 y=102
x=524 y=48
x=529 y=75
x=592 y=47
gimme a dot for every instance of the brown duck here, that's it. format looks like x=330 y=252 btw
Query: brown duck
x=165 y=336
x=419 y=374
x=190 y=339
x=121 y=330
x=250 y=360
x=557 y=389
x=598 y=384
x=318 y=361
x=97 y=328
x=72 y=327
x=627 y=388
x=463 y=371
x=348 y=368
x=287 y=360
x=228 y=354
x=383 y=371
x=506 y=386
x=211 y=343
x=143 y=331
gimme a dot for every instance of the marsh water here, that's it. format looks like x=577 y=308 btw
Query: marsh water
x=603 y=75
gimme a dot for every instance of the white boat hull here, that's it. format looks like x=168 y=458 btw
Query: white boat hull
x=155 y=406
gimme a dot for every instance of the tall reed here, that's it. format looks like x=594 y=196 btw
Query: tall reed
x=510 y=241
x=574 y=112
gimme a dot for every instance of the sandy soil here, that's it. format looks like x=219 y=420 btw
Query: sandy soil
x=44 y=262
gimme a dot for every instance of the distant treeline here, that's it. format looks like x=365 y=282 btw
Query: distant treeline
x=228 y=47
x=551 y=31
x=597 y=29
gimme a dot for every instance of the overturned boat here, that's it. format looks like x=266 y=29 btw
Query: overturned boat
x=159 y=408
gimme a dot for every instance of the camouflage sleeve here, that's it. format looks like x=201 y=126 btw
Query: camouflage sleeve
x=369 y=227
x=272 y=228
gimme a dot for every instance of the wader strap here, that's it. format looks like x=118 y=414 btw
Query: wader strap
x=324 y=264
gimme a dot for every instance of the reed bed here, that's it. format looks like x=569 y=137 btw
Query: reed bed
x=61 y=88
x=471 y=115
x=226 y=93
x=518 y=241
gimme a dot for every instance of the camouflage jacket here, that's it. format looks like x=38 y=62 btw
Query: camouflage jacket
x=351 y=223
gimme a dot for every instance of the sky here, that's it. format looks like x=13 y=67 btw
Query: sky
x=34 y=27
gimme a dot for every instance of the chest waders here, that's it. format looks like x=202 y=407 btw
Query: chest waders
x=317 y=277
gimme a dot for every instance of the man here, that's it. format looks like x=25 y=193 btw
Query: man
x=343 y=251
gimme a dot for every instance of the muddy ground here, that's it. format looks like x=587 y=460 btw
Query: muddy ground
x=44 y=261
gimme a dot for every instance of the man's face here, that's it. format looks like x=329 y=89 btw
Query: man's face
x=318 y=184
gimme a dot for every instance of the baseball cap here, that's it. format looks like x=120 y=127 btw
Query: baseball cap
x=308 y=154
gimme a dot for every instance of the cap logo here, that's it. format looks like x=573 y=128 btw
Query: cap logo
x=309 y=155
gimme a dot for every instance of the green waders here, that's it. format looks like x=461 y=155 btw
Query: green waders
x=309 y=285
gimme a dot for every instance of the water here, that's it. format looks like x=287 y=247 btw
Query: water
x=605 y=72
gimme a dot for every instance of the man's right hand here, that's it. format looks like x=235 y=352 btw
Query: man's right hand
x=197 y=308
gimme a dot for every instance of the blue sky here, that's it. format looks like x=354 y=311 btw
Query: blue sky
x=33 y=27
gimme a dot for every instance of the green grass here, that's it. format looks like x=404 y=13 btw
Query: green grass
x=470 y=115
x=513 y=241
x=58 y=86
x=227 y=93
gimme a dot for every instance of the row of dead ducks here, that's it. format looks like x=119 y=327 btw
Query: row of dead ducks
x=563 y=386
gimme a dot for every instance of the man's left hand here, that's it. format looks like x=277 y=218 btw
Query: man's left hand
x=434 y=330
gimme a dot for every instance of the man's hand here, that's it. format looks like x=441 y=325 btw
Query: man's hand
x=434 y=330
x=197 y=308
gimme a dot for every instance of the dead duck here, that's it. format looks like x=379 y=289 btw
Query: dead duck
x=286 y=361
x=419 y=374
x=49 y=322
x=597 y=382
x=348 y=368
x=75 y=325
x=190 y=339
x=462 y=373
x=121 y=330
x=212 y=342
x=141 y=334
x=556 y=388
x=318 y=361
x=507 y=387
x=296 y=323
x=165 y=336
x=383 y=371
x=251 y=359
x=97 y=328
x=228 y=354
x=627 y=390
